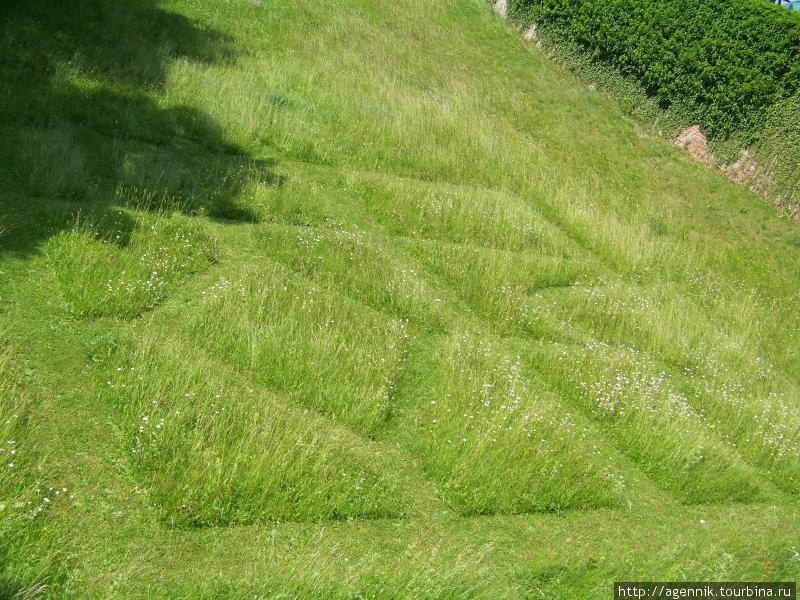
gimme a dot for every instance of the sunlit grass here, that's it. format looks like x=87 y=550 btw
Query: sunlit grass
x=638 y=406
x=14 y=408
x=123 y=264
x=497 y=440
x=28 y=496
x=469 y=215
x=500 y=285
x=212 y=452
x=324 y=350
x=355 y=262
x=366 y=299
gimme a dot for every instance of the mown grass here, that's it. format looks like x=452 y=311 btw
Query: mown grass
x=13 y=457
x=368 y=299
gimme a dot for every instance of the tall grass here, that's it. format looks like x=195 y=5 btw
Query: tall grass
x=714 y=363
x=360 y=265
x=53 y=164
x=500 y=285
x=322 y=349
x=123 y=264
x=498 y=441
x=649 y=419
x=211 y=451
x=14 y=456
x=325 y=299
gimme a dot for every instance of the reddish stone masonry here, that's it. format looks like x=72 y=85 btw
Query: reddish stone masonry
x=694 y=141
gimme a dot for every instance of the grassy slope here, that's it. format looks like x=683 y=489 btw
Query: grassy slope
x=367 y=299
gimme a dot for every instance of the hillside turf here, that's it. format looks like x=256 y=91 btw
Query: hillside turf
x=367 y=299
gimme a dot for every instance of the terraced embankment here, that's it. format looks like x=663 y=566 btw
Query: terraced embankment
x=368 y=299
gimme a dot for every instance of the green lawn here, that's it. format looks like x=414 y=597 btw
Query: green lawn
x=368 y=299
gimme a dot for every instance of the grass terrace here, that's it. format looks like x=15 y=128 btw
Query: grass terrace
x=368 y=299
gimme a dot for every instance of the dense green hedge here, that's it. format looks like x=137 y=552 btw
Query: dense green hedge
x=724 y=63
x=778 y=151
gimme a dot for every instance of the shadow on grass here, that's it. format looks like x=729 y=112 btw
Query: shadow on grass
x=83 y=129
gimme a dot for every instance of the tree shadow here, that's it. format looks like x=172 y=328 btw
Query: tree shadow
x=83 y=129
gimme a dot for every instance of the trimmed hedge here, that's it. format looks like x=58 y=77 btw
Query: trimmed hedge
x=723 y=63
